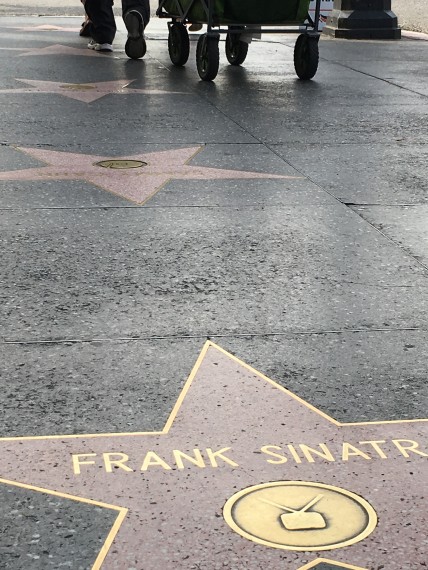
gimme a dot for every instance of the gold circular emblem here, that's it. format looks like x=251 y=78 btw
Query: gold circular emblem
x=300 y=515
x=121 y=164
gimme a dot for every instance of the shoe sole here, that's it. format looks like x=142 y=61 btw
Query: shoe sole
x=135 y=48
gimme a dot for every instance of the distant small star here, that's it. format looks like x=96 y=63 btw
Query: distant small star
x=58 y=49
x=46 y=28
x=85 y=92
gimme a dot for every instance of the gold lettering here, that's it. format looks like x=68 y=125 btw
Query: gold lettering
x=110 y=461
x=294 y=454
x=197 y=460
x=325 y=453
x=413 y=447
x=376 y=447
x=77 y=462
x=212 y=456
x=349 y=450
x=280 y=458
x=152 y=460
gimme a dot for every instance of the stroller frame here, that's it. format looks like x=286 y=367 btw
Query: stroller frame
x=306 y=54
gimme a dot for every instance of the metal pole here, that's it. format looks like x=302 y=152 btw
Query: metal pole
x=317 y=15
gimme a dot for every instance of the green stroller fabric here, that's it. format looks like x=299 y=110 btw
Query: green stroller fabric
x=197 y=13
x=244 y=11
x=266 y=11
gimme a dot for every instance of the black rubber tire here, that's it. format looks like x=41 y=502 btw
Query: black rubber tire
x=306 y=56
x=178 y=44
x=236 y=51
x=207 y=57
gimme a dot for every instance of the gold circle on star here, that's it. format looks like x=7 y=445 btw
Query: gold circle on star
x=121 y=164
x=300 y=515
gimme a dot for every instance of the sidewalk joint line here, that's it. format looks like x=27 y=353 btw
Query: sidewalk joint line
x=290 y=333
x=389 y=82
x=391 y=240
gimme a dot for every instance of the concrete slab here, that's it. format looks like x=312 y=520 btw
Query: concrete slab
x=152 y=122
x=44 y=530
x=364 y=173
x=240 y=193
x=57 y=194
x=128 y=386
x=388 y=367
x=354 y=124
x=114 y=386
x=382 y=61
x=306 y=271
x=405 y=225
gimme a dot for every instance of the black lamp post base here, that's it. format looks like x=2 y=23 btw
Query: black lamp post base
x=363 y=20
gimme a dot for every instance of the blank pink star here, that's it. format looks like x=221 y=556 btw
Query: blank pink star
x=134 y=184
x=46 y=28
x=58 y=49
x=86 y=92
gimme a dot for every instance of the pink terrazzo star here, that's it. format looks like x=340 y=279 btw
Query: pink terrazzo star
x=86 y=92
x=234 y=430
x=59 y=49
x=46 y=28
x=134 y=184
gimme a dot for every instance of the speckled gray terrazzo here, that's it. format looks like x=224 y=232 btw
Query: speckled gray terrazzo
x=56 y=194
x=252 y=270
x=41 y=531
x=382 y=372
x=79 y=387
x=326 y=566
x=393 y=172
x=96 y=387
x=405 y=225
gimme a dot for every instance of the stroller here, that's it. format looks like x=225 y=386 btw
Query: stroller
x=239 y=19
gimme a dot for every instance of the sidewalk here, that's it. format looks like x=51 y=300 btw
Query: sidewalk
x=284 y=221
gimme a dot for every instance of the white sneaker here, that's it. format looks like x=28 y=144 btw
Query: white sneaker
x=99 y=47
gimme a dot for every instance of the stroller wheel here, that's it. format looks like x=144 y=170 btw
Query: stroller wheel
x=306 y=56
x=178 y=44
x=236 y=51
x=207 y=57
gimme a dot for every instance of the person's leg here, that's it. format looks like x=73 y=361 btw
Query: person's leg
x=136 y=15
x=85 y=30
x=141 y=6
x=100 y=12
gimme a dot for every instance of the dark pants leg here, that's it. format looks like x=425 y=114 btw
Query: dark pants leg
x=101 y=15
x=143 y=6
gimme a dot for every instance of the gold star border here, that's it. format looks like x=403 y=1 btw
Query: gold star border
x=122 y=511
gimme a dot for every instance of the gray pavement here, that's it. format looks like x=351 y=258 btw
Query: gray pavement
x=47 y=8
x=309 y=261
